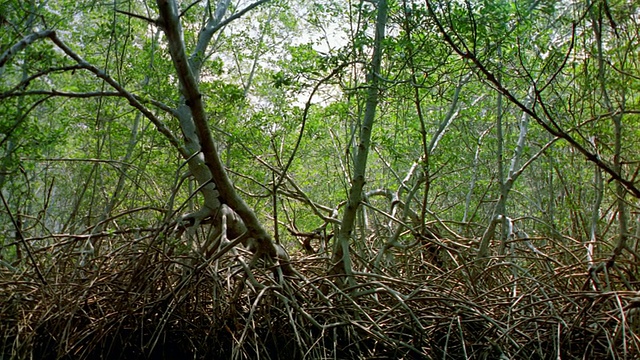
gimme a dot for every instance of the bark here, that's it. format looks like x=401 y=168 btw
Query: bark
x=596 y=20
x=506 y=184
x=501 y=206
x=206 y=165
x=341 y=257
x=595 y=213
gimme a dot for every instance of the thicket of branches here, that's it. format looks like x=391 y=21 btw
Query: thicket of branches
x=431 y=179
x=143 y=299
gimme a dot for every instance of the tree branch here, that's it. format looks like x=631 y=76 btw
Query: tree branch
x=134 y=100
x=554 y=130
x=191 y=92
x=22 y=44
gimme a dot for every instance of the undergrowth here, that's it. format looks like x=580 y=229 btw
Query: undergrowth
x=146 y=300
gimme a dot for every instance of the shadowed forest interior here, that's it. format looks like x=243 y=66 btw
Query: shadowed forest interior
x=326 y=179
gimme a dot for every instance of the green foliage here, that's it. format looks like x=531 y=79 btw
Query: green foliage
x=285 y=89
x=260 y=73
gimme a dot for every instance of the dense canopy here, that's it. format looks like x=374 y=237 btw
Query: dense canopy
x=319 y=179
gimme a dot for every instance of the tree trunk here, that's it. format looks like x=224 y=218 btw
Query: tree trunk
x=203 y=159
x=341 y=257
x=506 y=185
x=597 y=17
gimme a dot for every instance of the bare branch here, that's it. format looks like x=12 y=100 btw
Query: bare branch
x=22 y=44
x=550 y=125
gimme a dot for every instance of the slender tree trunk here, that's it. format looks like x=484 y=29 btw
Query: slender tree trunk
x=595 y=215
x=500 y=210
x=341 y=256
x=506 y=184
x=474 y=177
x=597 y=17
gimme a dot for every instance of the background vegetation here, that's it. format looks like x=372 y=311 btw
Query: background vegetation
x=450 y=179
